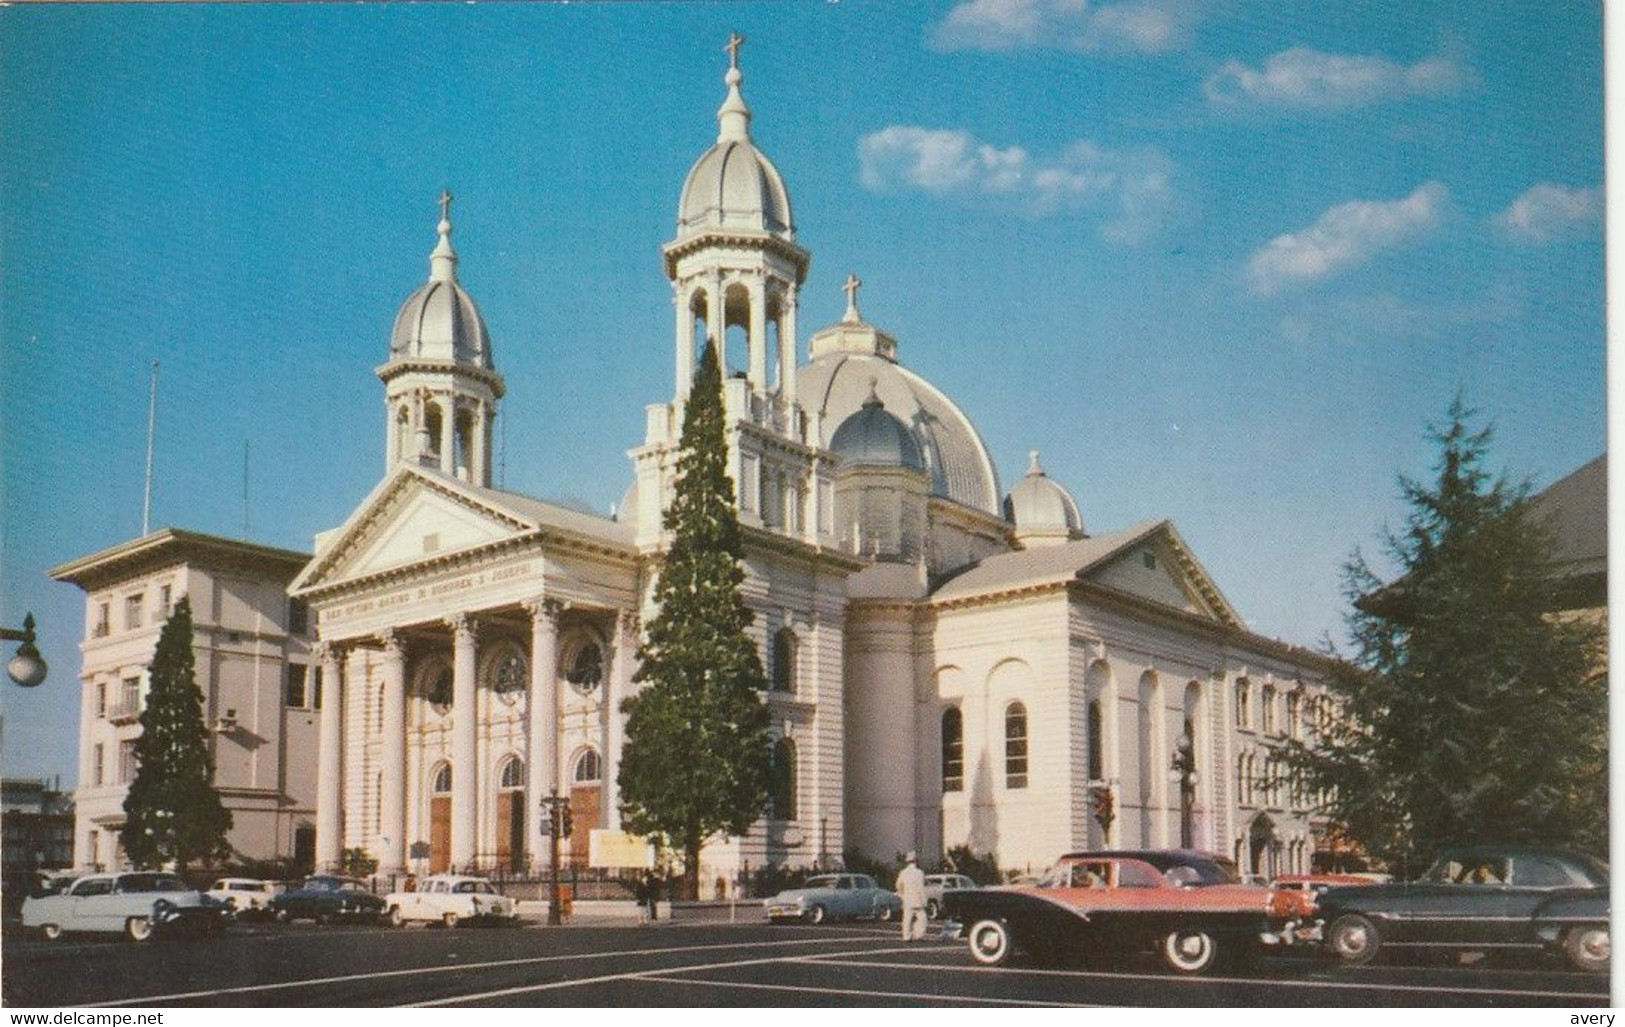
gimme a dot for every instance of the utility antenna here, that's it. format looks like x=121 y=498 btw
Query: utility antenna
x=152 y=428
x=502 y=460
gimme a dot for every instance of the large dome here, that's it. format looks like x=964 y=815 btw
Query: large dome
x=440 y=321
x=872 y=437
x=835 y=386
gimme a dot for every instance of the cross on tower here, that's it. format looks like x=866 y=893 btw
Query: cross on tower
x=853 y=282
x=445 y=204
x=735 y=41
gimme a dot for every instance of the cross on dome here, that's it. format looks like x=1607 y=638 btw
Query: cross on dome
x=735 y=43
x=445 y=204
x=853 y=284
x=443 y=261
x=734 y=116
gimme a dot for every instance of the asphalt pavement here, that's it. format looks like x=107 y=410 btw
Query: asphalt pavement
x=702 y=959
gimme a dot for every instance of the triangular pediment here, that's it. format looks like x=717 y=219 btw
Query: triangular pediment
x=1160 y=568
x=412 y=516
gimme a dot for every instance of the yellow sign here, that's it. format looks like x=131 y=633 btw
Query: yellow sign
x=620 y=850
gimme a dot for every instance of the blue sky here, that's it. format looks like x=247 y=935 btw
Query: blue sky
x=1220 y=263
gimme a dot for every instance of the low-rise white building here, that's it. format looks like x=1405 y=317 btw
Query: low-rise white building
x=251 y=646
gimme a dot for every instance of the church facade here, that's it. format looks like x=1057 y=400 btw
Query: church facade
x=948 y=664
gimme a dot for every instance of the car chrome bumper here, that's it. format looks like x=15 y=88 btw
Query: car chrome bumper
x=952 y=930
x=1294 y=932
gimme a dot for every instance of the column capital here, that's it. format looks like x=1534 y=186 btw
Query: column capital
x=544 y=609
x=463 y=625
x=629 y=622
x=394 y=644
x=327 y=652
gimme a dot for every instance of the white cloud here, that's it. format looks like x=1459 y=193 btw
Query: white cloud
x=1308 y=79
x=1133 y=26
x=1345 y=237
x=1131 y=190
x=1548 y=212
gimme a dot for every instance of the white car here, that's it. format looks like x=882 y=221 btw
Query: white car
x=244 y=896
x=936 y=884
x=138 y=904
x=450 y=899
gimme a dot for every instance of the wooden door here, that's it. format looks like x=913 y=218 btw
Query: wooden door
x=584 y=813
x=511 y=830
x=439 y=834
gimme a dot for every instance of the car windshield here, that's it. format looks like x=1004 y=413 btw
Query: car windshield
x=1467 y=869
x=331 y=884
x=820 y=882
x=150 y=883
x=473 y=887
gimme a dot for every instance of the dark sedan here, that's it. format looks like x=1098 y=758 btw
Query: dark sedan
x=326 y=898
x=1480 y=899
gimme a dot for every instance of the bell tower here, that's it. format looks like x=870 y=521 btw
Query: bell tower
x=441 y=386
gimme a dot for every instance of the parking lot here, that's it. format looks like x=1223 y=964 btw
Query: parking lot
x=697 y=963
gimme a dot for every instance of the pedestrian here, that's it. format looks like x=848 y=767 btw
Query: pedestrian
x=642 y=893
x=911 y=889
x=651 y=896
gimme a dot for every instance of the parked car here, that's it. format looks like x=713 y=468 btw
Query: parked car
x=1296 y=894
x=325 y=898
x=244 y=896
x=938 y=884
x=834 y=897
x=1482 y=898
x=450 y=899
x=138 y=904
x=1189 y=907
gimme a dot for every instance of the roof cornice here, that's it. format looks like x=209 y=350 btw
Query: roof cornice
x=169 y=546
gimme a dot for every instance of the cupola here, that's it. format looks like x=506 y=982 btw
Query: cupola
x=1042 y=511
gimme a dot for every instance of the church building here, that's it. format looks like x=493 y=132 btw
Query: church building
x=948 y=663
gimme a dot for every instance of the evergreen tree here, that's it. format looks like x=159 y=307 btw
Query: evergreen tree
x=173 y=813
x=1470 y=710
x=698 y=755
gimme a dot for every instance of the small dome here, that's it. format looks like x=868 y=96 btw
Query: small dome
x=733 y=186
x=871 y=437
x=1039 y=507
x=440 y=321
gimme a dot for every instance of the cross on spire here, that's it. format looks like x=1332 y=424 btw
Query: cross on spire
x=445 y=204
x=853 y=283
x=735 y=42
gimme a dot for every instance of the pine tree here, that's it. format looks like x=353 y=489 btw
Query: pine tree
x=698 y=755
x=1471 y=712
x=172 y=812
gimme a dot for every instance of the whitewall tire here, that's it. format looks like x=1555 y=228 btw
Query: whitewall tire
x=990 y=942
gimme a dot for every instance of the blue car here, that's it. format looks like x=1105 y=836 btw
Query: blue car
x=834 y=897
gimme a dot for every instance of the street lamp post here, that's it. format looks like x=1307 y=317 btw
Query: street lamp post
x=26 y=668
x=556 y=810
x=1184 y=766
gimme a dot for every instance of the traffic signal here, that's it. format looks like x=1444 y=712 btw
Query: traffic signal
x=566 y=822
x=1105 y=806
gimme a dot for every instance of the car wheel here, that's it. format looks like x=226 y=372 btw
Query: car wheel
x=990 y=942
x=282 y=915
x=817 y=914
x=50 y=932
x=395 y=917
x=1353 y=939
x=231 y=908
x=450 y=919
x=1189 y=950
x=1589 y=947
x=139 y=928
x=886 y=914
x=933 y=909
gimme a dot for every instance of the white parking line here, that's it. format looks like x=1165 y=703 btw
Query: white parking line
x=865 y=993
x=249 y=989
x=843 y=959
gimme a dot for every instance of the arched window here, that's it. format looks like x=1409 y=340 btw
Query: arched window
x=437 y=689
x=784 y=660
x=782 y=787
x=1015 y=746
x=442 y=780
x=586 y=668
x=512 y=774
x=1267 y=722
x=1244 y=702
x=1294 y=715
x=511 y=676
x=953 y=750
x=1097 y=743
x=588 y=767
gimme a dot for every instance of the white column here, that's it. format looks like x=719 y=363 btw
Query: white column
x=616 y=688
x=329 y=782
x=392 y=799
x=541 y=762
x=787 y=347
x=448 y=437
x=758 y=336
x=715 y=323
x=464 y=774
x=685 y=342
x=477 y=474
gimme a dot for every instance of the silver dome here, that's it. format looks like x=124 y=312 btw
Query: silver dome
x=1039 y=505
x=874 y=438
x=441 y=322
x=733 y=186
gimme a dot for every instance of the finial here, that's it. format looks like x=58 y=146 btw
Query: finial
x=874 y=394
x=1032 y=462
x=853 y=283
x=443 y=261
x=734 y=115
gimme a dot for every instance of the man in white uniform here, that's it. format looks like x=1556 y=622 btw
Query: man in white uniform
x=911 y=889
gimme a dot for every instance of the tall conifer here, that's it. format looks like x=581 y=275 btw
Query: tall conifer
x=172 y=812
x=698 y=755
x=1473 y=711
